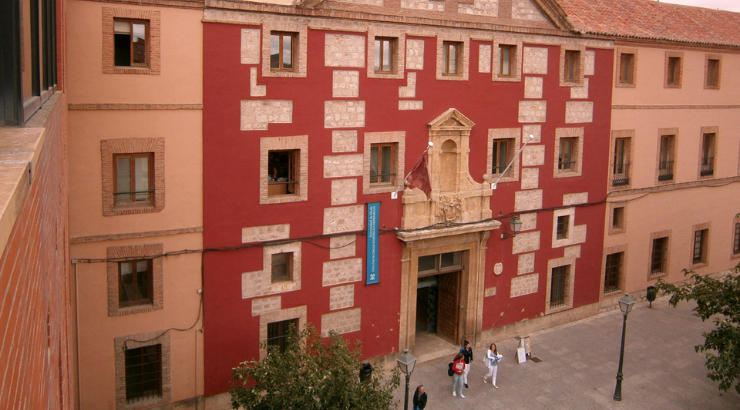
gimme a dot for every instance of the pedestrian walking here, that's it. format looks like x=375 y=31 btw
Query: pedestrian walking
x=467 y=352
x=458 y=367
x=420 y=398
x=492 y=359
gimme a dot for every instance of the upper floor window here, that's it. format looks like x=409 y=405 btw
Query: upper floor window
x=451 y=57
x=666 y=154
x=282 y=267
x=284 y=171
x=507 y=60
x=135 y=282
x=620 y=165
x=626 y=68
x=383 y=163
x=673 y=69
x=617 y=219
x=282 y=51
x=133 y=176
x=712 y=75
x=503 y=151
x=707 y=154
x=566 y=159
x=385 y=54
x=572 y=66
x=131 y=39
x=563 y=223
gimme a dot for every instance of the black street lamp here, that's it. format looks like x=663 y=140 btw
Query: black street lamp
x=406 y=363
x=625 y=305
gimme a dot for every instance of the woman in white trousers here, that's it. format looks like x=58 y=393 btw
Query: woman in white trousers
x=492 y=358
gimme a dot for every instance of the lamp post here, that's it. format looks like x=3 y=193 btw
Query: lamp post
x=625 y=305
x=406 y=363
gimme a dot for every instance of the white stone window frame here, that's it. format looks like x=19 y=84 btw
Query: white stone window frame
x=399 y=55
x=267 y=144
x=500 y=134
x=464 y=65
x=123 y=343
x=618 y=68
x=708 y=57
x=569 y=291
x=300 y=55
x=706 y=245
x=577 y=133
x=570 y=239
x=507 y=41
x=300 y=313
x=622 y=275
x=581 y=49
x=294 y=283
x=391 y=137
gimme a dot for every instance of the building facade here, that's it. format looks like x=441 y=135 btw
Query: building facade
x=135 y=102
x=313 y=116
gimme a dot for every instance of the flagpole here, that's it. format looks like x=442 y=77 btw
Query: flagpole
x=493 y=186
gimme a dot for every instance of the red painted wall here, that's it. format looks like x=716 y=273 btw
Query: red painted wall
x=231 y=189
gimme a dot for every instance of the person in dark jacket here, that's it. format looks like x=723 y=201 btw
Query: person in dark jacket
x=420 y=398
x=467 y=352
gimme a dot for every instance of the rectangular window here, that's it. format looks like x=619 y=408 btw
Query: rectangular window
x=507 y=57
x=283 y=172
x=707 y=154
x=558 y=285
x=385 y=54
x=451 y=57
x=278 y=332
x=562 y=226
x=618 y=218
x=567 y=154
x=133 y=179
x=282 y=267
x=700 y=246
x=143 y=373
x=673 y=71
x=659 y=256
x=613 y=271
x=665 y=163
x=282 y=51
x=736 y=239
x=135 y=282
x=501 y=155
x=130 y=43
x=620 y=166
x=712 y=73
x=627 y=69
x=571 y=69
x=383 y=164
x=440 y=263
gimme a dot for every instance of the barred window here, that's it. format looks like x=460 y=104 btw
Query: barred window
x=143 y=373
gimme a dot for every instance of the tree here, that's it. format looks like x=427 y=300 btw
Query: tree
x=311 y=373
x=718 y=299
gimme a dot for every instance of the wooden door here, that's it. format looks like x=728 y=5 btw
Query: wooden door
x=448 y=313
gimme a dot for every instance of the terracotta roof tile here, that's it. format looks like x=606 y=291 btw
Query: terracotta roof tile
x=648 y=19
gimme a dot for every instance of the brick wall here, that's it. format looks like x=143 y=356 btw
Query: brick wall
x=35 y=308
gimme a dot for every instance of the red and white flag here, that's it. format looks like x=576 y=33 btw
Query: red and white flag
x=419 y=176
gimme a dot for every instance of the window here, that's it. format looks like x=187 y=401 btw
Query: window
x=507 y=59
x=712 y=72
x=278 y=333
x=707 y=154
x=502 y=151
x=558 y=286
x=620 y=163
x=284 y=172
x=613 y=271
x=131 y=41
x=133 y=176
x=282 y=51
x=282 y=267
x=131 y=38
x=563 y=222
x=385 y=54
x=665 y=161
x=700 y=246
x=566 y=158
x=383 y=164
x=626 y=69
x=572 y=66
x=441 y=263
x=143 y=373
x=736 y=239
x=135 y=282
x=673 y=69
x=451 y=57
x=618 y=218
x=659 y=256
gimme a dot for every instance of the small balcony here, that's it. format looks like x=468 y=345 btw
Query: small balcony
x=707 y=167
x=665 y=171
x=621 y=175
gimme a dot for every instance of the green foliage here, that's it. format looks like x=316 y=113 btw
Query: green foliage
x=720 y=300
x=312 y=373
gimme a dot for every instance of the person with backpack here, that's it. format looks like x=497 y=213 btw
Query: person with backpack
x=467 y=352
x=492 y=359
x=420 y=398
x=458 y=368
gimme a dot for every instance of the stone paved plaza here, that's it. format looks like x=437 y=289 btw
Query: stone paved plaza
x=579 y=363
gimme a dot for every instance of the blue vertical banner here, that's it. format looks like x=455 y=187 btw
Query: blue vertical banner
x=373 y=218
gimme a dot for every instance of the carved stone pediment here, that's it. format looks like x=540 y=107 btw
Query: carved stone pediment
x=455 y=196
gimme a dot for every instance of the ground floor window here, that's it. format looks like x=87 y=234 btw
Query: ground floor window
x=143 y=373
x=278 y=332
x=558 y=286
